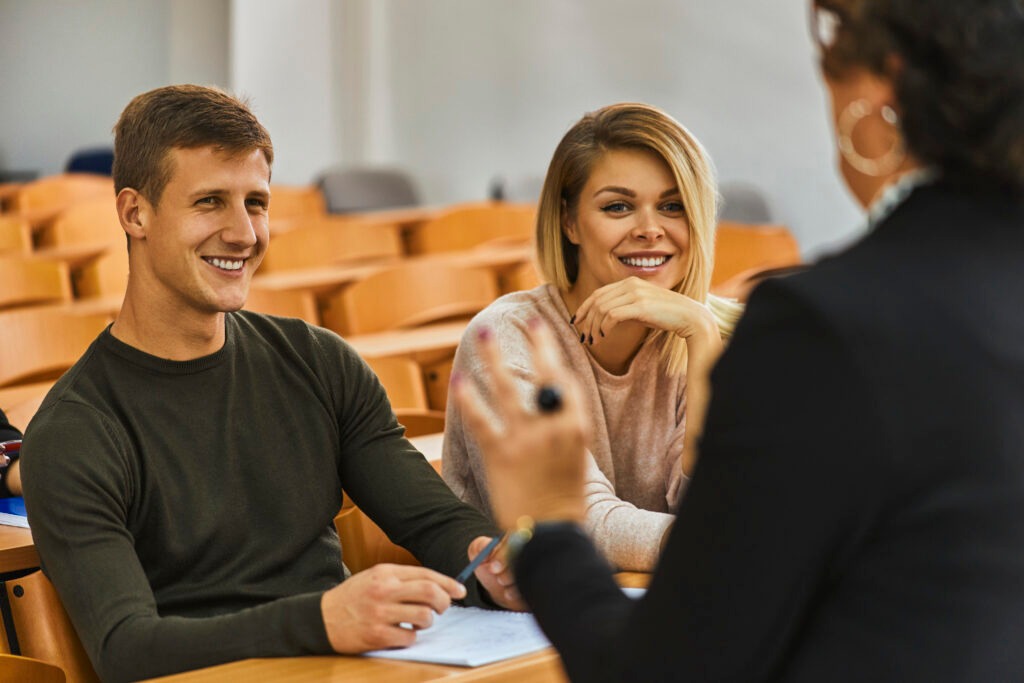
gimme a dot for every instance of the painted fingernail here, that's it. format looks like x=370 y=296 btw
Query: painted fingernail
x=533 y=323
x=590 y=339
x=583 y=338
x=601 y=332
x=455 y=380
x=572 y=319
x=484 y=334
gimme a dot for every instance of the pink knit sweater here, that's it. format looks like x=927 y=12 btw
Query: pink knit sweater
x=637 y=418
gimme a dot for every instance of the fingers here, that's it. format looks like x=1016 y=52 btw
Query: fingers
x=367 y=611
x=450 y=586
x=550 y=370
x=474 y=413
x=547 y=361
x=592 y=320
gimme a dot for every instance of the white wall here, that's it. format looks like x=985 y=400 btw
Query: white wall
x=68 y=68
x=281 y=58
x=456 y=91
x=482 y=87
x=66 y=71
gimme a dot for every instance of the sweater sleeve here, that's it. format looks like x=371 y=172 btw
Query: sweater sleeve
x=787 y=475
x=78 y=509
x=394 y=484
x=628 y=536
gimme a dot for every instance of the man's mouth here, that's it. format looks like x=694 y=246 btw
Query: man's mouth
x=225 y=263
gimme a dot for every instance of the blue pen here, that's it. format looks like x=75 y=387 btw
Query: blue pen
x=478 y=560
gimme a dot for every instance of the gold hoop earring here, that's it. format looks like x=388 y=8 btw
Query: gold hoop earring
x=848 y=120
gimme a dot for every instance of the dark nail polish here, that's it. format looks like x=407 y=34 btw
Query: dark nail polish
x=601 y=332
x=572 y=319
x=590 y=339
x=583 y=338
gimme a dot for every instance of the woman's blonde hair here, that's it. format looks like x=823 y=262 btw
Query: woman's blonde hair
x=630 y=125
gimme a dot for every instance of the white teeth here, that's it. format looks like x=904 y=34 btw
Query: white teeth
x=644 y=262
x=227 y=264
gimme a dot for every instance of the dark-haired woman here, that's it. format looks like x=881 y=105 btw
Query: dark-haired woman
x=857 y=510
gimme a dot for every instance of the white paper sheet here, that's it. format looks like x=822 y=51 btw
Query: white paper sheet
x=470 y=636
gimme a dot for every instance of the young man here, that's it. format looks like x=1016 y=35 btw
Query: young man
x=183 y=476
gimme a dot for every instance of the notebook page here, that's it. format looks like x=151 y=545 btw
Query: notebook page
x=470 y=636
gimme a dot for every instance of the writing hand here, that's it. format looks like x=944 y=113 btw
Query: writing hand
x=365 y=612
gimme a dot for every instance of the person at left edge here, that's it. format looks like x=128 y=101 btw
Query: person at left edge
x=10 y=471
x=182 y=478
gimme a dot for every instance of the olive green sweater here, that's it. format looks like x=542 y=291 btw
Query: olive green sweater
x=183 y=509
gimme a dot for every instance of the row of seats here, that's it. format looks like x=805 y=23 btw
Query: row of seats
x=415 y=268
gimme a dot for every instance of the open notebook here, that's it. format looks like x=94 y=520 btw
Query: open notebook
x=470 y=636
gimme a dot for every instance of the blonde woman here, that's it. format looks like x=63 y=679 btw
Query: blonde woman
x=625 y=236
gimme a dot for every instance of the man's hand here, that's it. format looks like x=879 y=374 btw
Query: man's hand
x=365 y=611
x=495 y=577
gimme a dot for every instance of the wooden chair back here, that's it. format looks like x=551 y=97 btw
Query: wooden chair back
x=328 y=241
x=42 y=629
x=740 y=247
x=437 y=376
x=105 y=275
x=20 y=403
x=289 y=303
x=42 y=342
x=364 y=544
x=89 y=221
x=474 y=225
x=16 y=669
x=15 y=235
x=25 y=282
x=412 y=294
x=403 y=381
x=522 y=277
x=50 y=195
x=291 y=206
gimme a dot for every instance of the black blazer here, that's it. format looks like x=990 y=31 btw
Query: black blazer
x=857 y=513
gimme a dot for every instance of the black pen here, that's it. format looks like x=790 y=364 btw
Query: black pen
x=478 y=560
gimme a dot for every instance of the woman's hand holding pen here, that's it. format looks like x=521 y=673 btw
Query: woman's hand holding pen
x=534 y=457
x=494 y=574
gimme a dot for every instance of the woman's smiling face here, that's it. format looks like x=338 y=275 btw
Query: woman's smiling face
x=629 y=221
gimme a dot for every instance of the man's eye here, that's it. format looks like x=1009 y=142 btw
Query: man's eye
x=207 y=200
x=615 y=207
x=259 y=203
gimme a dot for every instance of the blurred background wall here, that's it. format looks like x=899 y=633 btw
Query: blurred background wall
x=457 y=92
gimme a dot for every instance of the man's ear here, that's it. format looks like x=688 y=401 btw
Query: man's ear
x=569 y=225
x=133 y=211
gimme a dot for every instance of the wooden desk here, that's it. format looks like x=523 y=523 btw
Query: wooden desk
x=425 y=344
x=17 y=550
x=429 y=445
x=539 y=667
x=323 y=279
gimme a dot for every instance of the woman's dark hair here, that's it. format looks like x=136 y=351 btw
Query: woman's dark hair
x=958 y=70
